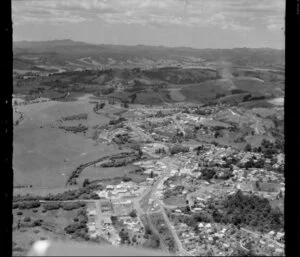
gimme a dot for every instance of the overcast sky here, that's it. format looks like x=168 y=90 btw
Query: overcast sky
x=193 y=23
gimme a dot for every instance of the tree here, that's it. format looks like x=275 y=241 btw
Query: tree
x=19 y=224
x=86 y=182
x=248 y=148
x=217 y=134
x=148 y=231
x=133 y=214
x=114 y=219
x=151 y=174
x=257 y=184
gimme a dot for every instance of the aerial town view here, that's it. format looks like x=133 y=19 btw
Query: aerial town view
x=165 y=148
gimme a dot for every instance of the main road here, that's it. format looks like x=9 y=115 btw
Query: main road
x=168 y=162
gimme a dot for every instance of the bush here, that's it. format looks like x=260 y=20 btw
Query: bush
x=70 y=229
x=72 y=206
x=19 y=213
x=95 y=196
x=15 y=205
x=27 y=219
x=126 y=179
x=37 y=223
x=207 y=173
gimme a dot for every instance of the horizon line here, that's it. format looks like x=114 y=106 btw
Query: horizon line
x=99 y=44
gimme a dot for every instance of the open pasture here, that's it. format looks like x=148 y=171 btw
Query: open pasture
x=44 y=155
x=204 y=91
x=53 y=228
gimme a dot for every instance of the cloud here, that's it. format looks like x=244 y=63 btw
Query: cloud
x=240 y=15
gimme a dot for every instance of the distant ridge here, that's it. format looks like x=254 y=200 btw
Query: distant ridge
x=58 y=52
x=27 y=43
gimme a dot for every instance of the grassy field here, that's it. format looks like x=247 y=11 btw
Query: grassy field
x=25 y=237
x=204 y=91
x=176 y=95
x=250 y=84
x=175 y=200
x=96 y=173
x=115 y=180
x=43 y=154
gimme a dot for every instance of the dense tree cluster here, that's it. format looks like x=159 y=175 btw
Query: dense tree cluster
x=269 y=148
x=117 y=121
x=251 y=163
x=237 y=91
x=252 y=211
x=51 y=206
x=31 y=200
x=75 y=129
x=82 y=116
x=239 y=210
x=121 y=138
x=207 y=173
x=72 y=205
x=78 y=229
x=26 y=205
x=120 y=162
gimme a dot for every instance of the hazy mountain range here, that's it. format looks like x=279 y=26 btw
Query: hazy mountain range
x=72 y=50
